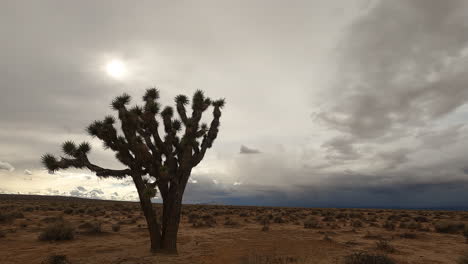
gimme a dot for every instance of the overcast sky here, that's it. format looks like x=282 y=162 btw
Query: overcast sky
x=329 y=103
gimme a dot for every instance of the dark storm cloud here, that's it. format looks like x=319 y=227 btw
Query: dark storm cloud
x=339 y=191
x=247 y=150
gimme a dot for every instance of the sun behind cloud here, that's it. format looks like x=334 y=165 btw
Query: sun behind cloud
x=116 y=69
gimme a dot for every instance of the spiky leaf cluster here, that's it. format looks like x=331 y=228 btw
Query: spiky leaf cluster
x=139 y=146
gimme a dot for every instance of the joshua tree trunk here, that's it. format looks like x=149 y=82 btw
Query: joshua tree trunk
x=154 y=227
x=171 y=228
x=153 y=162
x=172 y=205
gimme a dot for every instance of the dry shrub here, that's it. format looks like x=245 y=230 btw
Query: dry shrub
x=205 y=221
x=369 y=235
x=59 y=230
x=279 y=220
x=267 y=259
x=408 y=235
x=384 y=245
x=56 y=259
x=367 y=258
x=421 y=219
x=311 y=222
x=10 y=216
x=94 y=227
x=389 y=225
x=116 y=227
x=356 y=223
x=263 y=219
x=410 y=225
x=231 y=222
x=449 y=227
x=463 y=259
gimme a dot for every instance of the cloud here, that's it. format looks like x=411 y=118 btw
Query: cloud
x=393 y=159
x=81 y=191
x=402 y=65
x=6 y=166
x=437 y=139
x=247 y=150
x=28 y=172
x=341 y=148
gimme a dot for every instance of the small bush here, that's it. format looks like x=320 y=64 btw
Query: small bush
x=408 y=235
x=369 y=235
x=356 y=223
x=92 y=227
x=60 y=230
x=205 y=221
x=311 y=222
x=384 y=245
x=367 y=258
x=410 y=225
x=448 y=227
x=230 y=222
x=421 y=219
x=389 y=225
x=116 y=227
x=463 y=259
x=56 y=259
x=267 y=259
x=278 y=220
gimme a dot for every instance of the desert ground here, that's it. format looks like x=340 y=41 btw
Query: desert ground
x=115 y=232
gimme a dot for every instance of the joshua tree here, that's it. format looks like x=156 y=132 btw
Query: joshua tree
x=152 y=161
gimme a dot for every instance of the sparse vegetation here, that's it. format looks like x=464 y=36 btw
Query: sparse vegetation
x=385 y=245
x=116 y=227
x=449 y=226
x=56 y=259
x=59 y=230
x=266 y=259
x=367 y=258
x=311 y=222
x=463 y=259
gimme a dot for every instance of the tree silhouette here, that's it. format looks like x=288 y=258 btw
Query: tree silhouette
x=151 y=161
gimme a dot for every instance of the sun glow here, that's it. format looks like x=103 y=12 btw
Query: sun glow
x=116 y=69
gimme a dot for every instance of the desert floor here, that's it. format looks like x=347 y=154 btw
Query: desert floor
x=218 y=234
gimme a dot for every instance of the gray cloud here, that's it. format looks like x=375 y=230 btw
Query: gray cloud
x=402 y=64
x=247 y=150
x=441 y=138
x=341 y=148
x=388 y=119
x=6 y=166
x=28 y=172
x=395 y=158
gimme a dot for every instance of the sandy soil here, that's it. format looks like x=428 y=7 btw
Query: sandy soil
x=339 y=234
